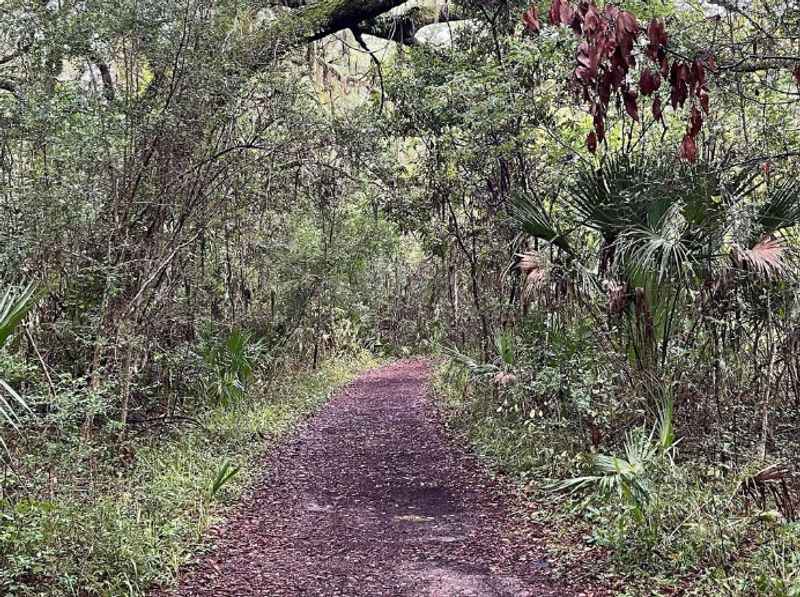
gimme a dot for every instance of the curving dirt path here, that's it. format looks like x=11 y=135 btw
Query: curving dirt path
x=369 y=498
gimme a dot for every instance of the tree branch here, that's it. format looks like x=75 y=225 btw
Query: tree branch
x=732 y=7
x=403 y=28
x=761 y=63
x=360 y=39
x=12 y=88
x=288 y=3
x=105 y=75
x=327 y=17
x=310 y=22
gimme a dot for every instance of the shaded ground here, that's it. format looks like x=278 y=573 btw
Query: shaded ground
x=370 y=499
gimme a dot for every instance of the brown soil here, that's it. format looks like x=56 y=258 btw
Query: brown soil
x=370 y=498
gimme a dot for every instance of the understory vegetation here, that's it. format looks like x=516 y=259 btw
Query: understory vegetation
x=111 y=517
x=213 y=212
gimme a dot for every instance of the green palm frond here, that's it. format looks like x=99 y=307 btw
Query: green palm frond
x=530 y=216
x=473 y=367
x=224 y=474
x=780 y=210
x=616 y=195
x=628 y=477
x=230 y=362
x=13 y=309
x=664 y=426
x=656 y=253
x=14 y=306
x=635 y=191
x=612 y=475
x=504 y=344
x=9 y=407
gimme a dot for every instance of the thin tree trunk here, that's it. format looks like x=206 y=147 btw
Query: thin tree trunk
x=765 y=430
x=127 y=373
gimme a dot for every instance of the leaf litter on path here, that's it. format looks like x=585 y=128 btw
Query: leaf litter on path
x=370 y=498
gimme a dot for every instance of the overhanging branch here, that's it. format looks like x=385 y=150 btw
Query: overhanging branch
x=754 y=64
x=310 y=22
x=12 y=88
x=403 y=28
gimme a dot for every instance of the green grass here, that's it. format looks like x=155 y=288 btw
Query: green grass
x=87 y=518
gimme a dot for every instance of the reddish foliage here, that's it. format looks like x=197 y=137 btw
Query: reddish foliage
x=561 y=13
x=606 y=56
x=658 y=113
x=591 y=142
x=649 y=82
x=588 y=61
x=679 y=76
x=592 y=24
x=600 y=127
x=656 y=50
x=531 y=19
x=698 y=76
x=695 y=122
x=703 y=97
x=688 y=149
x=656 y=34
x=631 y=107
x=767 y=256
x=796 y=74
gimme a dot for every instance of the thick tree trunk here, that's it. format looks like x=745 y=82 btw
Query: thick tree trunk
x=306 y=24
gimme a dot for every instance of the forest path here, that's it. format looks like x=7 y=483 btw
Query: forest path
x=370 y=498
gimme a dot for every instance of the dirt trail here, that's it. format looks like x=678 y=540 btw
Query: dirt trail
x=370 y=499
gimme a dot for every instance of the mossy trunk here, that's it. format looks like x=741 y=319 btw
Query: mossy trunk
x=310 y=23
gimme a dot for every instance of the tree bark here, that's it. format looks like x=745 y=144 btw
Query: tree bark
x=403 y=28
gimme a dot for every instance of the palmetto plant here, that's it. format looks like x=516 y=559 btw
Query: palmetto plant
x=500 y=371
x=224 y=474
x=14 y=306
x=779 y=210
x=504 y=344
x=628 y=477
x=475 y=369
x=658 y=219
x=661 y=219
x=230 y=362
x=664 y=228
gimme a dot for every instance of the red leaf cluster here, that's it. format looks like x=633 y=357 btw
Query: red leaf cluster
x=679 y=84
x=531 y=19
x=695 y=122
x=561 y=13
x=796 y=74
x=629 y=98
x=658 y=112
x=688 y=149
x=606 y=56
x=656 y=49
x=649 y=82
x=591 y=141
